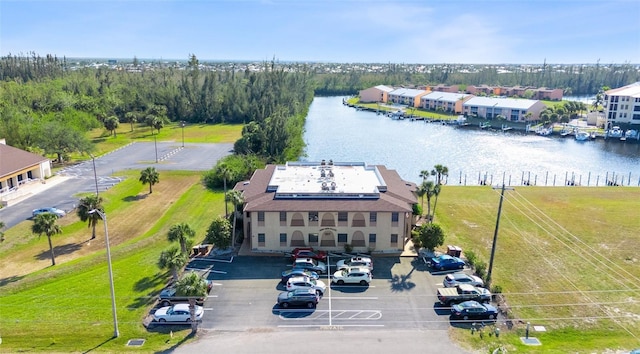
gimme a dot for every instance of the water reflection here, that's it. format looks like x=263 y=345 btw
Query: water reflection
x=334 y=131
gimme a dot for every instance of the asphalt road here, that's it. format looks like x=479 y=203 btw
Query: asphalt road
x=136 y=156
x=397 y=311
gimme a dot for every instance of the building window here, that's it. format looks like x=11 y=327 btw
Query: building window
x=261 y=218
x=394 y=239
x=373 y=218
x=313 y=239
x=313 y=216
x=343 y=218
x=261 y=239
x=394 y=219
x=342 y=239
x=283 y=218
x=283 y=239
x=372 y=238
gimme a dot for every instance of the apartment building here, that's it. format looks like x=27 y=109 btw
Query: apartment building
x=327 y=205
x=514 y=110
x=622 y=106
x=375 y=94
x=444 y=101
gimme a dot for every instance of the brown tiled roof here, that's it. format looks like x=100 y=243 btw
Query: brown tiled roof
x=13 y=160
x=399 y=196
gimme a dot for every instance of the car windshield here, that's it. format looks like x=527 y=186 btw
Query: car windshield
x=312 y=281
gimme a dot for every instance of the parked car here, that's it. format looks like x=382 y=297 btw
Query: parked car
x=298 y=297
x=168 y=295
x=58 y=212
x=310 y=264
x=352 y=275
x=308 y=252
x=306 y=283
x=177 y=313
x=298 y=272
x=473 y=310
x=446 y=262
x=454 y=279
x=461 y=293
x=361 y=262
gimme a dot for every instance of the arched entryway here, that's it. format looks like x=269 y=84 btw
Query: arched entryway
x=297 y=239
x=358 y=239
x=328 y=239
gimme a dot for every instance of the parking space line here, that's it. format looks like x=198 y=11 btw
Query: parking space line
x=212 y=295
x=355 y=297
x=208 y=309
x=219 y=271
x=322 y=326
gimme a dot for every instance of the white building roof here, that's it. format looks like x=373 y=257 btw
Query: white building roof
x=512 y=103
x=313 y=180
x=384 y=88
x=444 y=96
x=406 y=92
x=632 y=90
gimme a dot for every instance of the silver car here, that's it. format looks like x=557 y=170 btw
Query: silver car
x=454 y=279
x=58 y=212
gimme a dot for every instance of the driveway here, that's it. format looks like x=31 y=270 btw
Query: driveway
x=137 y=156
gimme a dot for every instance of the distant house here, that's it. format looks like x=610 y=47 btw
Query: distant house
x=514 y=110
x=375 y=94
x=482 y=90
x=18 y=167
x=622 y=106
x=445 y=88
x=406 y=96
x=445 y=101
x=548 y=94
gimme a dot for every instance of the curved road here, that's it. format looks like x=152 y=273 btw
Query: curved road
x=138 y=156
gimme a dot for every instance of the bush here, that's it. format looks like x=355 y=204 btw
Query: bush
x=417 y=209
x=481 y=269
x=496 y=289
x=348 y=248
x=471 y=257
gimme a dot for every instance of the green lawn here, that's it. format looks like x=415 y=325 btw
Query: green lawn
x=71 y=304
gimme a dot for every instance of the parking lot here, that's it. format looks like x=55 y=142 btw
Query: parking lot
x=402 y=295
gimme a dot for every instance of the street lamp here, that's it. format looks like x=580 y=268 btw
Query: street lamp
x=95 y=174
x=155 y=143
x=103 y=216
x=182 y=124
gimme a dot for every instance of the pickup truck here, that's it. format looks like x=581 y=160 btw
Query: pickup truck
x=463 y=292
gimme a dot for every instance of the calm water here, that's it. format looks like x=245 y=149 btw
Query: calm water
x=341 y=133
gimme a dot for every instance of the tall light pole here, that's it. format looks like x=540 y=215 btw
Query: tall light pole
x=495 y=235
x=103 y=216
x=95 y=174
x=155 y=143
x=182 y=124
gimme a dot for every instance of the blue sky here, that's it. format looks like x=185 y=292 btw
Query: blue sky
x=371 y=31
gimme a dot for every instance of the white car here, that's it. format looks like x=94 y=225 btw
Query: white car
x=352 y=275
x=454 y=279
x=306 y=283
x=58 y=212
x=361 y=262
x=177 y=313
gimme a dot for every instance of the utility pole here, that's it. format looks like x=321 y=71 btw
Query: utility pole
x=495 y=233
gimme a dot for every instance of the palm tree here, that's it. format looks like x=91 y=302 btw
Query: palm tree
x=131 y=117
x=236 y=199
x=86 y=205
x=193 y=286
x=424 y=174
x=183 y=233
x=420 y=192
x=111 y=124
x=428 y=187
x=2 y=225
x=436 y=192
x=439 y=171
x=226 y=174
x=46 y=223
x=149 y=176
x=173 y=259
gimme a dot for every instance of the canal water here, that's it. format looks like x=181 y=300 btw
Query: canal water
x=473 y=156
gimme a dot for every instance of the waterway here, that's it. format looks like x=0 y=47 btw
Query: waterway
x=473 y=156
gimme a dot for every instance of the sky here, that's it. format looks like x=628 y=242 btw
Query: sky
x=339 y=31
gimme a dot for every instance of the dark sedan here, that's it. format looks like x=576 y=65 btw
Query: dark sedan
x=473 y=310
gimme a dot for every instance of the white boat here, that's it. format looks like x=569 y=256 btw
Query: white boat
x=615 y=132
x=582 y=136
x=631 y=134
x=544 y=131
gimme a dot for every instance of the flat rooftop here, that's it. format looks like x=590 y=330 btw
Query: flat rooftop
x=326 y=180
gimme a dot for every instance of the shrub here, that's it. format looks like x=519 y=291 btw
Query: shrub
x=481 y=269
x=471 y=256
x=496 y=289
x=417 y=209
x=348 y=248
